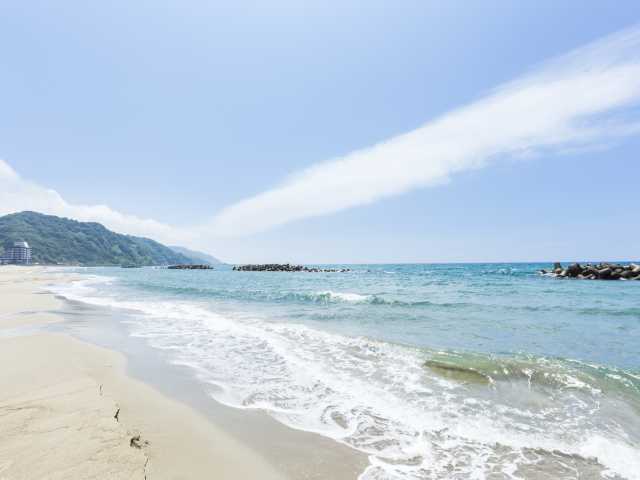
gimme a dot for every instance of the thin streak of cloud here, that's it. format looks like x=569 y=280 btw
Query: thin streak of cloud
x=568 y=104
x=565 y=104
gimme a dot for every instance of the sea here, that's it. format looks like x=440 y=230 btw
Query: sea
x=434 y=371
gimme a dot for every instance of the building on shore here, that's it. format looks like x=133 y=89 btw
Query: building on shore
x=17 y=254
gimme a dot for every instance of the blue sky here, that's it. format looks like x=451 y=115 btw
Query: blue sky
x=177 y=110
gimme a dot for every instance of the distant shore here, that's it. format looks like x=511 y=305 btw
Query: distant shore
x=72 y=406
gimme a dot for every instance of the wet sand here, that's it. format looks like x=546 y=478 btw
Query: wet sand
x=72 y=409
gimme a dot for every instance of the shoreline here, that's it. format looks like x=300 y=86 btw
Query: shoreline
x=252 y=383
x=75 y=386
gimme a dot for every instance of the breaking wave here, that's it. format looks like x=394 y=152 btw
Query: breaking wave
x=417 y=413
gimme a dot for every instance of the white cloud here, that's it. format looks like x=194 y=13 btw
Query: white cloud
x=568 y=104
x=565 y=104
x=7 y=173
x=17 y=194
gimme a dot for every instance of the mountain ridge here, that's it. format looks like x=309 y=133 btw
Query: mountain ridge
x=197 y=256
x=64 y=241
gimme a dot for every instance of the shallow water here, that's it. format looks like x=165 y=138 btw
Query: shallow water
x=434 y=371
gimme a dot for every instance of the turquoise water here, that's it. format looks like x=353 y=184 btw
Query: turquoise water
x=434 y=371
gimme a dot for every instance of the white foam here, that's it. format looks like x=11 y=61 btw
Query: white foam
x=375 y=397
x=344 y=296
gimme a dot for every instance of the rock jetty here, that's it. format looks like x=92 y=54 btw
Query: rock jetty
x=284 y=267
x=600 y=271
x=190 y=267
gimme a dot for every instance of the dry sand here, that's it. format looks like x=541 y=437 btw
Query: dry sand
x=69 y=411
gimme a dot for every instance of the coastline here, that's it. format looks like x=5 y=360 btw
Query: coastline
x=59 y=400
x=225 y=389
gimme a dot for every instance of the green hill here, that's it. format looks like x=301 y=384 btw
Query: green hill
x=197 y=257
x=56 y=240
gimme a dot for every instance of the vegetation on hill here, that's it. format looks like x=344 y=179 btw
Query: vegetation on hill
x=196 y=256
x=56 y=240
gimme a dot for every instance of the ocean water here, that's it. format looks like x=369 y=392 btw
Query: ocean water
x=465 y=371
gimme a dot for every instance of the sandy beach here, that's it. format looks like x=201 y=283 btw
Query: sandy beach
x=68 y=409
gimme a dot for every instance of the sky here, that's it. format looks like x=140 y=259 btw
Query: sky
x=330 y=132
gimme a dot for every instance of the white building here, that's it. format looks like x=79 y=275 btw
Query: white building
x=18 y=254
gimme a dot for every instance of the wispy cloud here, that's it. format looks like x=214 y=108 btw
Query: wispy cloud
x=568 y=103
x=574 y=102
x=18 y=194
